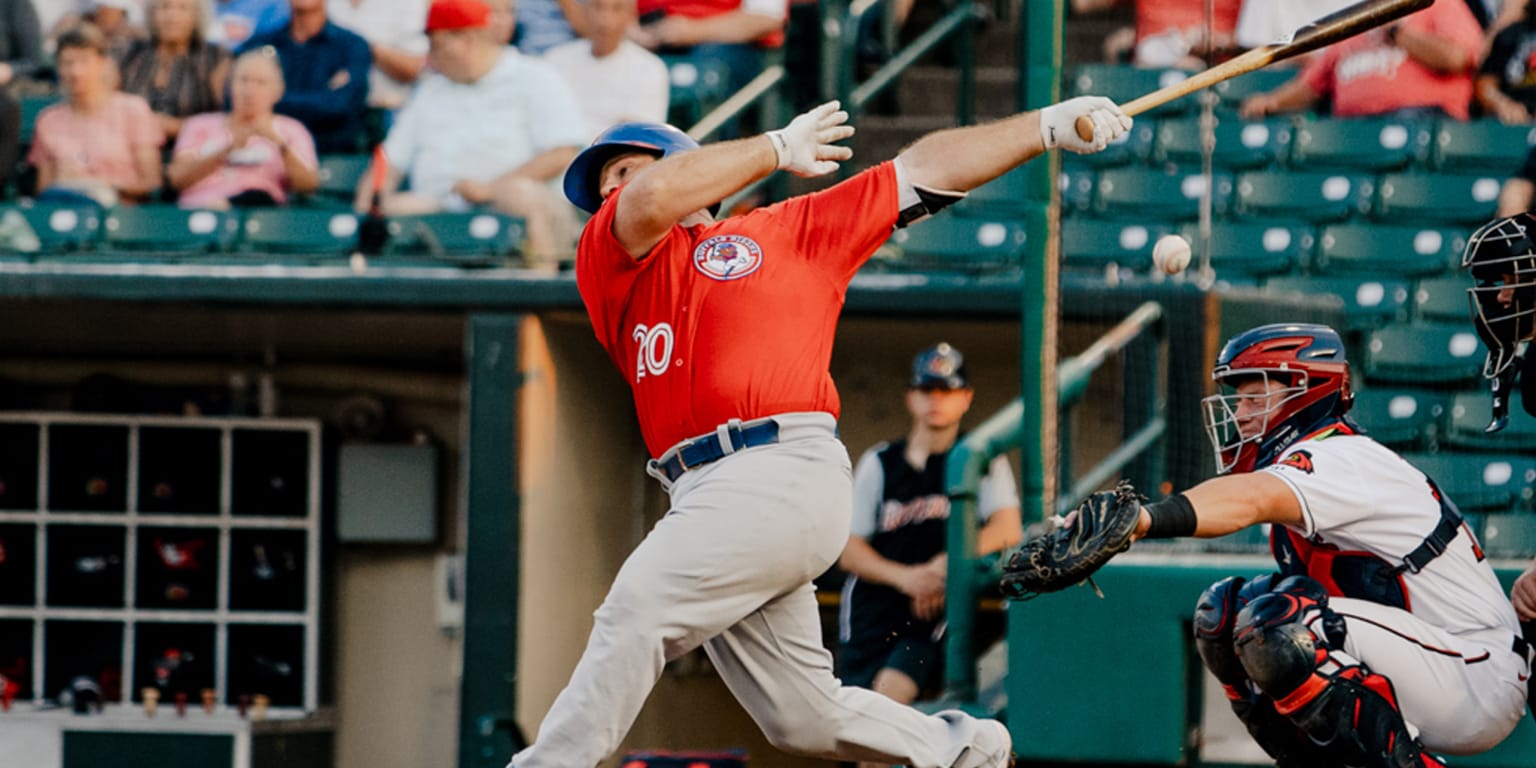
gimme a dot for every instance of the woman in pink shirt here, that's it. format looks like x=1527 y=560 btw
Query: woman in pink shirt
x=97 y=144
x=251 y=156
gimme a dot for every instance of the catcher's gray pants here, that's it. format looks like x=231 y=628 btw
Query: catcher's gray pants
x=730 y=567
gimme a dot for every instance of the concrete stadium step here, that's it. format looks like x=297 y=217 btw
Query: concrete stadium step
x=935 y=90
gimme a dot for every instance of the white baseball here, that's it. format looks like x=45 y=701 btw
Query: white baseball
x=1171 y=254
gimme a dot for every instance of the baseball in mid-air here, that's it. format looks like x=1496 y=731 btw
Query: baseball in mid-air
x=1171 y=254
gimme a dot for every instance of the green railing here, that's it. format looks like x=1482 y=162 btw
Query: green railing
x=959 y=23
x=1005 y=431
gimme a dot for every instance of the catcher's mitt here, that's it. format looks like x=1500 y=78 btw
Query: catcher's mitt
x=1068 y=555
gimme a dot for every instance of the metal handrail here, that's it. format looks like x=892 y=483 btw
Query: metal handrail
x=1002 y=432
x=961 y=19
x=756 y=90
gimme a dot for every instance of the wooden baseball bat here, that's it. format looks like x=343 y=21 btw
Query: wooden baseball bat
x=1339 y=25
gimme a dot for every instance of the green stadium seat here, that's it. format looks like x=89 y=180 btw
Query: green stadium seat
x=697 y=86
x=461 y=237
x=1363 y=145
x=1077 y=184
x=1239 y=145
x=1309 y=196
x=1096 y=244
x=1132 y=148
x=1255 y=248
x=1400 y=418
x=299 y=231
x=1512 y=535
x=1379 y=250
x=31 y=107
x=1233 y=92
x=1122 y=83
x=1007 y=196
x=1367 y=303
x=1482 y=146
x=1443 y=298
x=168 y=230
x=948 y=242
x=63 y=228
x=339 y=176
x=1142 y=194
x=1480 y=482
x=1470 y=411
x=1424 y=354
x=1419 y=198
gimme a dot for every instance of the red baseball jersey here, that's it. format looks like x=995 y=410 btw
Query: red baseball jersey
x=733 y=319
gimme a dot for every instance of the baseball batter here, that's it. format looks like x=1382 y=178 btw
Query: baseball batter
x=1385 y=635
x=723 y=329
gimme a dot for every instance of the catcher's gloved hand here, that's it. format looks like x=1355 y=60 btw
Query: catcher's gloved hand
x=1101 y=529
x=805 y=146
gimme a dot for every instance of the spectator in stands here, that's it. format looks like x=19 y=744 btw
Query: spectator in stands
x=503 y=20
x=732 y=32
x=21 y=53
x=1419 y=66
x=1261 y=23
x=98 y=144
x=120 y=21
x=235 y=21
x=544 y=24
x=325 y=69
x=613 y=78
x=896 y=559
x=176 y=70
x=1170 y=33
x=488 y=127
x=1506 y=83
x=250 y=157
x=399 y=47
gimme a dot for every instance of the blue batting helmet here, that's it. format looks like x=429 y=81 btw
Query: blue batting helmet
x=658 y=139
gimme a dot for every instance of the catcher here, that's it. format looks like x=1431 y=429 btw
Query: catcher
x=1384 y=635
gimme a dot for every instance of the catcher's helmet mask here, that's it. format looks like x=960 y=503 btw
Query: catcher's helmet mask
x=1307 y=360
x=1501 y=256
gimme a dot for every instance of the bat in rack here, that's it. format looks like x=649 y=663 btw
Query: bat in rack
x=1339 y=25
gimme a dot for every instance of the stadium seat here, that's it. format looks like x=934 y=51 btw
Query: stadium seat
x=31 y=107
x=948 y=242
x=1239 y=145
x=1131 y=148
x=1400 y=418
x=1232 y=92
x=1366 y=303
x=168 y=230
x=1482 y=146
x=1443 y=298
x=1076 y=182
x=339 y=176
x=1144 y=194
x=1478 y=482
x=460 y=237
x=1311 y=196
x=1378 y=250
x=1363 y=145
x=299 y=231
x=1424 y=354
x=63 y=228
x=1007 y=196
x=1512 y=535
x=1095 y=244
x=1419 y=198
x=697 y=86
x=1121 y=83
x=1470 y=411
x=1254 y=248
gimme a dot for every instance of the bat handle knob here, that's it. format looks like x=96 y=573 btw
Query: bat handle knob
x=1084 y=127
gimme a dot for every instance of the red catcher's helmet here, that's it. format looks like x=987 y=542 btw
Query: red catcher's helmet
x=1307 y=360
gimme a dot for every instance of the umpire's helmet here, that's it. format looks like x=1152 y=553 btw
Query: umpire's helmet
x=1502 y=259
x=581 y=178
x=940 y=366
x=1308 y=360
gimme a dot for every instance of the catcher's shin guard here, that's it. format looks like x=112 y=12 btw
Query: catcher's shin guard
x=1348 y=711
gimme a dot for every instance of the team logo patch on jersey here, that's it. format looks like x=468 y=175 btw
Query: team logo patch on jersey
x=1299 y=460
x=728 y=257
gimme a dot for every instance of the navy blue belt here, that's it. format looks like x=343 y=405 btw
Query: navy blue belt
x=708 y=448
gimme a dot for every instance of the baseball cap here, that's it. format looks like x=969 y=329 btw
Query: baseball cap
x=940 y=366
x=457 y=14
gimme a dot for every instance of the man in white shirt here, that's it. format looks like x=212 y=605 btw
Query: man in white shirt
x=613 y=78
x=393 y=29
x=486 y=127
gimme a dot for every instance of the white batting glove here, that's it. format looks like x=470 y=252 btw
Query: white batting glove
x=805 y=146
x=1058 y=124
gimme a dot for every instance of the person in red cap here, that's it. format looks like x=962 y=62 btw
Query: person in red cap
x=487 y=127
